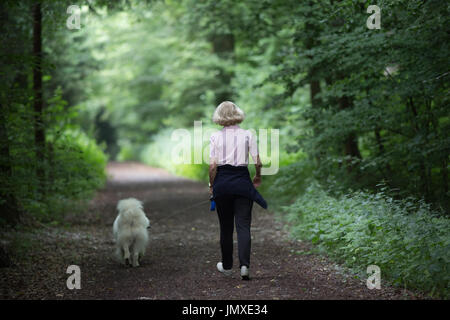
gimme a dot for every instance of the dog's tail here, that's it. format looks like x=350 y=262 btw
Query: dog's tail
x=130 y=203
x=131 y=212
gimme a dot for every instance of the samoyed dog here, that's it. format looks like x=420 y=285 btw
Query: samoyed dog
x=130 y=231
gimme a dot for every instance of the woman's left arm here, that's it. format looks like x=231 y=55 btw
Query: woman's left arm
x=253 y=150
x=257 y=178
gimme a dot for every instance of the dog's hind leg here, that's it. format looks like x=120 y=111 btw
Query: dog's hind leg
x=119 y=254
x=126 y=254
x=135 y=262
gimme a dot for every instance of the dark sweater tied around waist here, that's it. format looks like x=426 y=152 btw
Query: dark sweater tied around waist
x=235 y=180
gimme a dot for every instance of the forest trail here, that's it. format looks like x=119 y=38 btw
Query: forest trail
x=182 y=254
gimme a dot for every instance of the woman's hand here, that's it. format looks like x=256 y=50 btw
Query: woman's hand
x=210 y=191
x=257 y=178
x=257 y=181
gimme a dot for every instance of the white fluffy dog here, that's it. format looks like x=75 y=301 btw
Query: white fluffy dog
x=130 y=231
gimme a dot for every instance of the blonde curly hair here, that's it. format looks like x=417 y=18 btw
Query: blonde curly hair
x=228 y=114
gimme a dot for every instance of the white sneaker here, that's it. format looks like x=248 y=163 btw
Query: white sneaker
x=245 y=275
x=224 y=271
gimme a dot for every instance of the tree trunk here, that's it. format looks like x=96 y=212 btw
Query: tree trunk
x=424 y=170
x=314 y=81
x=223 y=46
x=445 y=176
x=39 y=131
x=8 y=207
x=381 y=150
x=351 y=148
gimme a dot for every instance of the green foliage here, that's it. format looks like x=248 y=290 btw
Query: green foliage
x=78 y=167
x=405 y=238
x=75 y=164
x=381 y=108
x=72 y=165
x=356 y=109
x=160 y=153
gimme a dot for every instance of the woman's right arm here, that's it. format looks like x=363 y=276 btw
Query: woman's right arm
x=212 y=164
x=212 y=176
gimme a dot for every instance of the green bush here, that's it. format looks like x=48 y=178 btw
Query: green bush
x=79 y=165
x=291 y=180
x=75 y=169
x=405 y=238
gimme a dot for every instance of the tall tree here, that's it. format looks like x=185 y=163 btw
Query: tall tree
x=38 y=102
x=8 y=203
x=223 y=46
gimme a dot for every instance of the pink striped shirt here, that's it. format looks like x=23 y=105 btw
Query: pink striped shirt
x=231 y=145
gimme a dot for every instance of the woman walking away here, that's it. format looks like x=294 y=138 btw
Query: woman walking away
x=230 y=184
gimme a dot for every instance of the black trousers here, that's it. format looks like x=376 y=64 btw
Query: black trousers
x=233 y=209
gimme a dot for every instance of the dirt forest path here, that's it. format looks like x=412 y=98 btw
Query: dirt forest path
x=182 y=254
